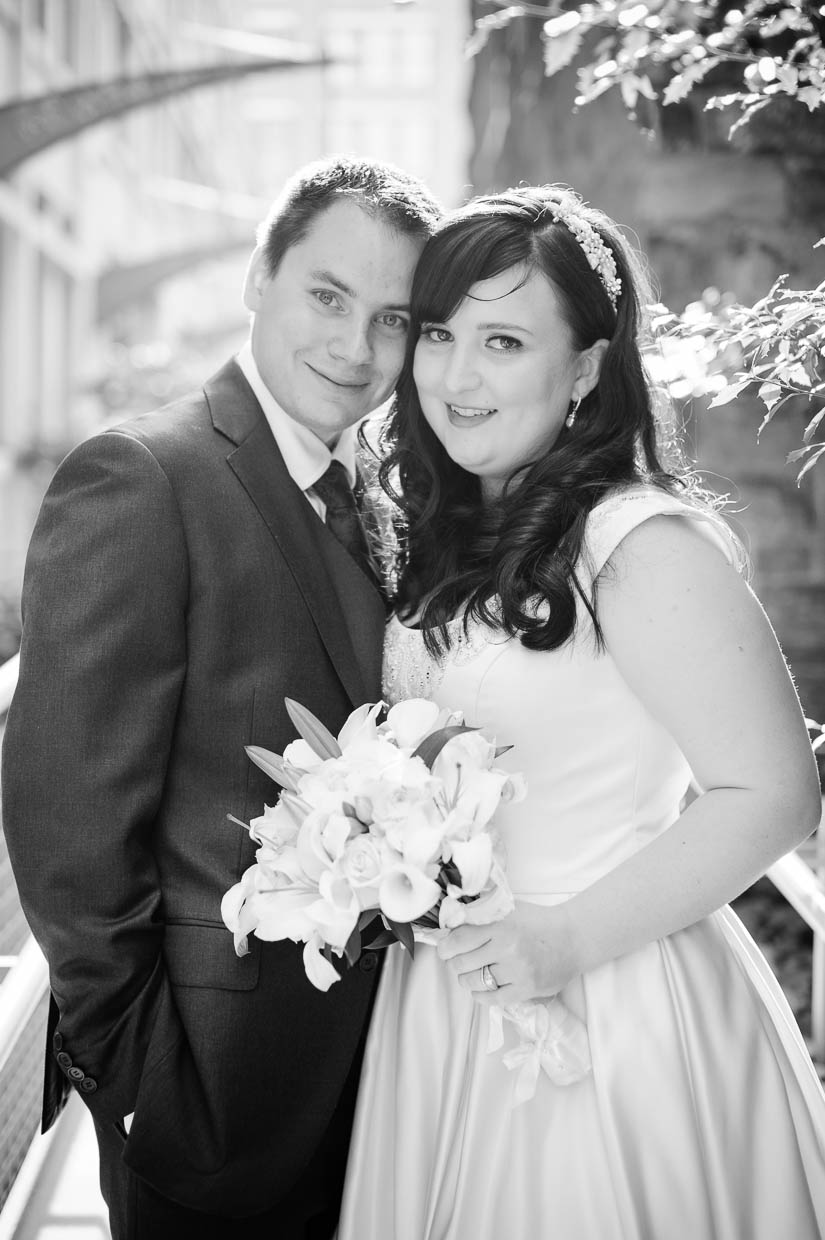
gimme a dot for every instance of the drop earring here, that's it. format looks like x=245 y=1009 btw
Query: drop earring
x=571 y=417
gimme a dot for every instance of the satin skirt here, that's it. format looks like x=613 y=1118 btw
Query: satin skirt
x=702 y=1117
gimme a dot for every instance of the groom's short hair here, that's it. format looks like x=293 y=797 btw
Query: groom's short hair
x=400 y=200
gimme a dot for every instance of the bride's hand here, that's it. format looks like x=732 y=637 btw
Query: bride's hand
x=531 y=954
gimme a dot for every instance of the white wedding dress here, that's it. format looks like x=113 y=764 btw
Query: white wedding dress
x=702 y=1117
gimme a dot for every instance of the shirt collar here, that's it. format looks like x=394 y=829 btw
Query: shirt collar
x=305 y=455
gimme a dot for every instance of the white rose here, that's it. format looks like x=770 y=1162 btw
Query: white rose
x=360 y=862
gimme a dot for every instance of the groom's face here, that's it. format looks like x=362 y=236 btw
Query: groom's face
x=330 y=326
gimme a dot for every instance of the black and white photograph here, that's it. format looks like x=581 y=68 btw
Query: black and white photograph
x=412 y=620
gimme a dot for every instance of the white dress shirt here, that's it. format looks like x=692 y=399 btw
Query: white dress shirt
x=305 y=455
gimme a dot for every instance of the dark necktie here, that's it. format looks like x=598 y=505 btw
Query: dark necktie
x=342 y=517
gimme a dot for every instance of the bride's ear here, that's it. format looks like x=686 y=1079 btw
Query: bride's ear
x=255 y=280
x=588 y=369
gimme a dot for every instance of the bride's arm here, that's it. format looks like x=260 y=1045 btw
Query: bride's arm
x=694 y=645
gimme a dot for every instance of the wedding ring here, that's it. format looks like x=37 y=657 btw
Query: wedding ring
x=487 y=979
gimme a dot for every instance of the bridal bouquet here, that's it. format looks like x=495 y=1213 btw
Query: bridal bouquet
x=392 y=820
x=388 y=820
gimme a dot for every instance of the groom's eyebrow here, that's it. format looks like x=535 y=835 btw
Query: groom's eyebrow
x=326 y=277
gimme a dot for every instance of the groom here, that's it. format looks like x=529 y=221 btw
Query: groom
x=189 y=570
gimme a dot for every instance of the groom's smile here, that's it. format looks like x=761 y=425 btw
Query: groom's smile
x=330 y=324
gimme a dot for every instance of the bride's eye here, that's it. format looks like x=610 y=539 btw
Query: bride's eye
x=504 y=344
x=437 y=335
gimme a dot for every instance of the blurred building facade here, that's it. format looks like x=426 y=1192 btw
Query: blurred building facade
x=93 y=229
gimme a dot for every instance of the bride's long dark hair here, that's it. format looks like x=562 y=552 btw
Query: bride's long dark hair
x=457 y=554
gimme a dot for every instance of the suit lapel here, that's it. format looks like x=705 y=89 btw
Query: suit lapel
x=345 y=608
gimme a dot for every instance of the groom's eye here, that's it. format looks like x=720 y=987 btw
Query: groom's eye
x=395 y=322
x=325 y=296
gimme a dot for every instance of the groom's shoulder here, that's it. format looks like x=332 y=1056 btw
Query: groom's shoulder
x=185 y=426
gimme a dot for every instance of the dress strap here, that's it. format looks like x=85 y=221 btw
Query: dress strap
x=612 y=520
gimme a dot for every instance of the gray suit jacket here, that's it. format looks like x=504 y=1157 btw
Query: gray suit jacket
x=178 y=588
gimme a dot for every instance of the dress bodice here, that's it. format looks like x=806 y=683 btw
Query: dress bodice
x=603 y=775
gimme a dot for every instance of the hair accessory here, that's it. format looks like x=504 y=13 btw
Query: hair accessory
x=595 y=251
x=571 y=417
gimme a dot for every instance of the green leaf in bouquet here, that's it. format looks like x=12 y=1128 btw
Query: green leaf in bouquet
x=503 y=749
x=320 y=739
x=384 y=938
x=352 y=947
x=429 y=921
x=450 y=873
x=431 y=746
x=403 y=932
x=273 y=765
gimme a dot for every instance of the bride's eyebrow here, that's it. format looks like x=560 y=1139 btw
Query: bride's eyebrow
x=505 y=327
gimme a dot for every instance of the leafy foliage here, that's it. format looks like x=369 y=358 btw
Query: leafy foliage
x=775 y=349
x=663 y=49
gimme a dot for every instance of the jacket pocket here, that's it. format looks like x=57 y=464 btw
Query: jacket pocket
x=204 y=956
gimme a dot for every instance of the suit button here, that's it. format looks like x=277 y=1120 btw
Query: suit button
x=65 y=1060
x=368 y=962
x=57 y=1041
x=88 y=1085
x=76 y=1074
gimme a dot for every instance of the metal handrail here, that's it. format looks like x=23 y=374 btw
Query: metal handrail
x=22 y=989
x=27 y=978
x=8 y=681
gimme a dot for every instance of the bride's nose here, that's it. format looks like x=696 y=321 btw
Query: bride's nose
x=461 y=372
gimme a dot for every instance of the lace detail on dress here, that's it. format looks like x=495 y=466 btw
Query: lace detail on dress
x=410 y=671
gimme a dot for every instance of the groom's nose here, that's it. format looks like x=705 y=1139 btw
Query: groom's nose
x=352 y=341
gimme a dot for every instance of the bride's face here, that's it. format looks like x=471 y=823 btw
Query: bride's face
x=497 y=379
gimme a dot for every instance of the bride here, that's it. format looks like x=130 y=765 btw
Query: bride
x=561 y=588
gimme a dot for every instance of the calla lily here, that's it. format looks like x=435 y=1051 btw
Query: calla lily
x=406 y=893
x=335 y=834
x=474 y=859
x=318 y=969
x=494 y=903
x=515 y=789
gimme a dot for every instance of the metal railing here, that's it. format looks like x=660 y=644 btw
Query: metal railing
x=23 y=1006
